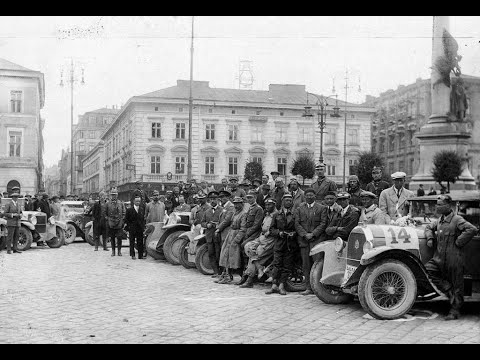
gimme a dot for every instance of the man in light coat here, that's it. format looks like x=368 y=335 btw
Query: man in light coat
x=298 y=195
x=394 y=200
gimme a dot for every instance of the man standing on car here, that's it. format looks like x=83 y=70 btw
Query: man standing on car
x=394 y=200
x=448 y=236
x=310 y=223
x=115 y=216
x=13 y=214
x=135 y=221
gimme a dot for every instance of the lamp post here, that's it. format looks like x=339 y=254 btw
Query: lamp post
x=322 y=105
x=190 y=110
x=71 y=80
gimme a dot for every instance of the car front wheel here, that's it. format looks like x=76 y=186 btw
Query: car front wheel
x=70 y=233
x=25 y=239
x=183 y=255
x=387 y=289
x=328 y=294
x=202 y=261
x=58 y=240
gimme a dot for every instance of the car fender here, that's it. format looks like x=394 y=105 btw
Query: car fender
x=61 y=224
x=321 y=247
x=333 y=262
x=370 y=256
x=28 y=225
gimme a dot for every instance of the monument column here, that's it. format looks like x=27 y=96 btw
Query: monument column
x=439 y=133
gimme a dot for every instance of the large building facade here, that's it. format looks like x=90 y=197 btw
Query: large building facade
x=93 y=173
x=148 y=139
x=401 y=113
x=22 y=96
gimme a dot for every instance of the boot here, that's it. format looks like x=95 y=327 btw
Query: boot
x=281 y=289
x=452 y=315
x=221 y=277
x=274 y=289
x=119 y=248
x=96 y=248
x=113 y=251
x=242 y=280
x=227 y=279
x=248 y=283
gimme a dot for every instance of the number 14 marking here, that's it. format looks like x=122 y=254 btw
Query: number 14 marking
x=402 y=235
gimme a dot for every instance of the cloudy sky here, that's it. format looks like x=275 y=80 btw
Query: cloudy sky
x=128 y=56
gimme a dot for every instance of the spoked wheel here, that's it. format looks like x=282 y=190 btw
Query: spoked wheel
x=25 y=239
x=70 y=233
x=387 y=289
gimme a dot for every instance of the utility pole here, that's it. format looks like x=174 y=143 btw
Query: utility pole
x=345 y=132
x=190 y=110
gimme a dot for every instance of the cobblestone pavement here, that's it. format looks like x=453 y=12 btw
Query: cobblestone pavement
x=76 y=295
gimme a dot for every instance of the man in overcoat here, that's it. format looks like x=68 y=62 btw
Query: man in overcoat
x=13 y=214
x=298 y=195
x=210 y=221
x=310 y=223
x=371 y=213
x=394 y=200
x=323 y=184
x=99 y=221
x=345 y=220
x=115 y=217
x=448 y=235
x=263 y=195
x=135 y=221
x=377 y=185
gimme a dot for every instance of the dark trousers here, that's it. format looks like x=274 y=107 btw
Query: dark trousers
x=214 y=246
x=115 y=234
x=449 y=281
x=12 y=238
x=307 y=263
x=100 y=230
x=136 y=235
x=283 y=262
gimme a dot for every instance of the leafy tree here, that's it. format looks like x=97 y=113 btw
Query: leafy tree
x=366 y=162
x=253 y=170
x=447 y=166
x=304 y=165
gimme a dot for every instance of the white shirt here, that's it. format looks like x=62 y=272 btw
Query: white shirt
x=136 y=208
x=311 y=205
x=344 y=211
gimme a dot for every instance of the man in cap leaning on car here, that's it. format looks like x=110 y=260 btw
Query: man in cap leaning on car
x=371 y=213
x=394 y=200
x=345 y=220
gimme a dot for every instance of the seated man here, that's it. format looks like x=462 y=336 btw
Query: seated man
x=371 y=213
x=260 y=250
x=344 y=221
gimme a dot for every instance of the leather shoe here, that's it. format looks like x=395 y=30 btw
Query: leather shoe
x=9 y=251
x=452 y=315
x=17 y=251
x=120 y=254
x=96 y=249
x=274 y=289
x=281 y=290
x=307 y=292
x=241 y=281
x=215 y=276
x=134 y=258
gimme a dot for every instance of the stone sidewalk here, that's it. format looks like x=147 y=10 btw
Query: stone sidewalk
x=76 y=295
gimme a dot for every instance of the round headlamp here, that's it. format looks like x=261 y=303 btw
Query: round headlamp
x=51 y=220
x=368 y=246
x=33 y=220
x=339 y=244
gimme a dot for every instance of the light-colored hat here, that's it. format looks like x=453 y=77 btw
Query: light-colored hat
x=114 y=191
x=201 y=195
x=368 y=194
x=353 y=177
x=287 y=195
x=155 y=192
x=343 y=195
x=270 y=201
x=237 y=199
x=252 y=192
x=398 y=175
x=319 y=165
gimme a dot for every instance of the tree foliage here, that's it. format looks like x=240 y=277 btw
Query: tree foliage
x=253 y=170
x=366 y=162
x=447 y=166
x=304 y=165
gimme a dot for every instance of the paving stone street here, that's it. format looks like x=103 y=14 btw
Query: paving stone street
x=76 y=295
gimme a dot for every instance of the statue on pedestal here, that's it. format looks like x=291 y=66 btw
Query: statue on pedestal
x=458 y=101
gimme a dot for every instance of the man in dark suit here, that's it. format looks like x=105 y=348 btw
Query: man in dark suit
x=139 y=192
x=210 y=220
x=13 y=214
x=99 y=222
x=135 y=221
x=310 y=223
x=263 y=195
x=345 y=220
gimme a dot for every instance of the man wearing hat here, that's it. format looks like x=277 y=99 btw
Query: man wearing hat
x=275 y=175
x=263 y=195
x=310 y=223
x=377 y=185
x=224 y=222
x=448 y=236
x=371 y=213
x=278 y=192
x=355 y=191
x=234 y=188
x=254 y=220
x=135 y=221
x=29 y=205
x=13 y=214
x=260 y=250
x=139 y=192
x=286 y=245
x=323 y=184
x=246 y=185
x=182 y=205
x=115 y=217
x=225 y=186
x=99 y=221
x=155 y=209
x=345 y=220
x=203 y=206
x=333 y=208
x=394 y=200
x=298 y=195
x=210 y=220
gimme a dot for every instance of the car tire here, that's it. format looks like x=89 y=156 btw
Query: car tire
x=89 y=239
x=183 y=255
x=328 y=295
x=3 y=242
x=296 y=280
x=202 y=261
x=25 y=239
x=58 y=240
x=399 y=289
x=171 y=247
x=70 y=233
x=157 y=255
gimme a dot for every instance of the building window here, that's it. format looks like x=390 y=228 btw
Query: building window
x=282 y=165
x=304 y=135
x=382 y=145
x=352 y=116
x=281 y=113
x=391 y=166
x=411 y=166
x=156 y=108
x=155 y=164
x=401 y=165
x=352 y=167
x=352 y=137
x=233 y=132
x=180 y=165
x=209 y=165
x=401 y=140
x=210 y=111
x=210 y=132
x=16 y=101
x=81 y=146
x=281 y=134
x=257 y=159
x=15 y=143
x=232 y=166
x=330 y=167
x=331 y=136
x=180 y=131
x=233 y=112
x=257 y=133
x=180 y=109
x=92 y=134
x=156 y=130
x=81 y=134
x=391 y=144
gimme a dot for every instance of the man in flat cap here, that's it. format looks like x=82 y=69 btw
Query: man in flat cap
x=278 y=192
x=254 y=220
x=345 y=220
x=263 y=195
x=377 y=185
x=298 y=195
x=139 y=192
x=371 y=213
x=13 y=214
x=394 y=200
x=448 y=236
x=99 y=222
x=203 y=206
x=323 y=184
x=210 y=220
x=286 y=245
x=234 y=189
x=333 y=208
x=310 y=223
x=224 y=222
x=256 y=184
x=115 y=217
x=155 y=209
x=260 y=250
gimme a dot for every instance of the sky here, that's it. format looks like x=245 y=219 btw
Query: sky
x=125 y=56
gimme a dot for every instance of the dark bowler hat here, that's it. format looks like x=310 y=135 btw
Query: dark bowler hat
x=331 y=193
x=274 y=173
x=257 y=181
x=224 y=193
x=213 y=194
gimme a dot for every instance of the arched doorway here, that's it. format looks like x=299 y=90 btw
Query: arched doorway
x=11 y=184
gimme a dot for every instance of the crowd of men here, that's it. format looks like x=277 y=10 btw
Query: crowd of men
x=267 y=223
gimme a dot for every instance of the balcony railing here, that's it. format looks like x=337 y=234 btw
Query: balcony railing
x=163 y=178
x=210 y=178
